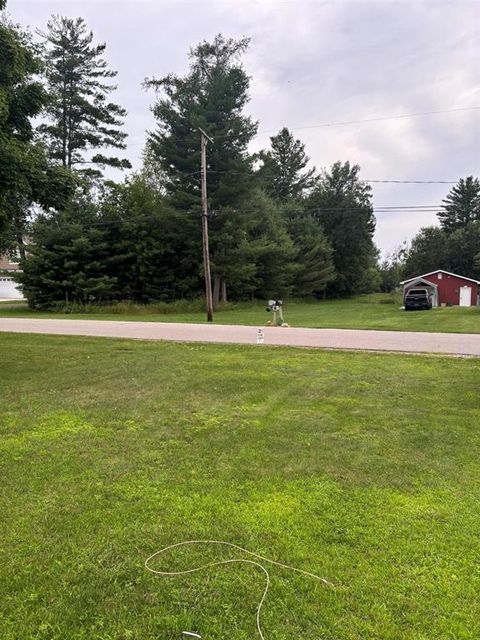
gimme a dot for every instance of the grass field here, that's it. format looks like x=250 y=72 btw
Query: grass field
x=362 y=468
x=376 y=311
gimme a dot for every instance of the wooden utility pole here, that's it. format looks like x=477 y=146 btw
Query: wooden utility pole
x=206 y=252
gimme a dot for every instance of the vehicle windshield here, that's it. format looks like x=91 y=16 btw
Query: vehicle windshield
x=417 y=292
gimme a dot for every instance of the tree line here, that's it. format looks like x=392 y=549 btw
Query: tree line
x=278 y=226
x=454 y=245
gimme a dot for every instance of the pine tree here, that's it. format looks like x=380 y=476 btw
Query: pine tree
x=282 y=172
x=81 y=120
x=116 y=242
x=69 y=258
x=314 y=264
x=256 y=255
x=273 y=250
x=212 y=95
x=342 y=204
x=154 y=257
x=462 y=205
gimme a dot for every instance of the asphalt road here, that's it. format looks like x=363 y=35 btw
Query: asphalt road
x=459 y=344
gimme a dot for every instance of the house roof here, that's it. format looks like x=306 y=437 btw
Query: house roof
x=448 y=273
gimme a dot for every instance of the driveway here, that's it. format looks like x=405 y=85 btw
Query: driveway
x=407 y=342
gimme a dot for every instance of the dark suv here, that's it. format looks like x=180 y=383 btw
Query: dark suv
x=417 y=299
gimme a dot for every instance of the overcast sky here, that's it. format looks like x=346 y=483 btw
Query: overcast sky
x=315 y=62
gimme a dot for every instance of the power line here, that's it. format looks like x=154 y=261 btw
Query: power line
x=376 y=181
x=409 y=181
x=420 y=206
x=361 y=121
x=318 y=210
x=379 y=118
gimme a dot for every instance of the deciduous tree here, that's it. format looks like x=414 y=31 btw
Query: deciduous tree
x=392 y=267
x=26 y=177
x=434 y=248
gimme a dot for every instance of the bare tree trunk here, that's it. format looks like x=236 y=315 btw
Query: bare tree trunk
x=216 y=290
x=21 y=246
x=19 y=222
x=224 y=290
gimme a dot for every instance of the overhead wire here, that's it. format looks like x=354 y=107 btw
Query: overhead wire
x=254 y=174
x=379 y=118
x=417 y=209
x=409 y=181
x=320 y=125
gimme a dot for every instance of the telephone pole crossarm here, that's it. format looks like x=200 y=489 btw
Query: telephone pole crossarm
x=205 y=134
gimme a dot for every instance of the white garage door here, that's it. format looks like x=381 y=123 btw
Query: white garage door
x=9 y=289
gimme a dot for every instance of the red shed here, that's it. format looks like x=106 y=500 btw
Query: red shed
x=446 y=288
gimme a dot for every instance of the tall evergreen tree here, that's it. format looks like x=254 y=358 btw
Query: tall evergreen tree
x=272 y=250
x=81 y=119
x=69 y=259
x=282 y=171
x=313 y=260
x=151 y=243
x=342 y=204
x=462 y=205
x=212 y=95
x=126 y=243
x=26 y=177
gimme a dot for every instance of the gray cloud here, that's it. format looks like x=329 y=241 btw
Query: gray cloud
x=317 y=62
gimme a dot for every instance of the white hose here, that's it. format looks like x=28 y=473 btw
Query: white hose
x=231 y=561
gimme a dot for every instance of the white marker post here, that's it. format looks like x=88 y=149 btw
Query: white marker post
x=260 y=336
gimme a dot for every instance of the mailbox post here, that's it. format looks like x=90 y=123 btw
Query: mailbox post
x=276 y=307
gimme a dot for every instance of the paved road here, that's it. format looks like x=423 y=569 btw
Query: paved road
x=413 y=342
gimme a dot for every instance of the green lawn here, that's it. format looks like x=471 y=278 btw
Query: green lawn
x=374 y=311
x=363 y=468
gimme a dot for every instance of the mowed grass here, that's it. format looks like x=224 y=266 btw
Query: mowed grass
x=375 y=311
x=363 y=468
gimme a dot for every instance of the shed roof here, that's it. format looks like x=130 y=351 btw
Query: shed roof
x=448 y=273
